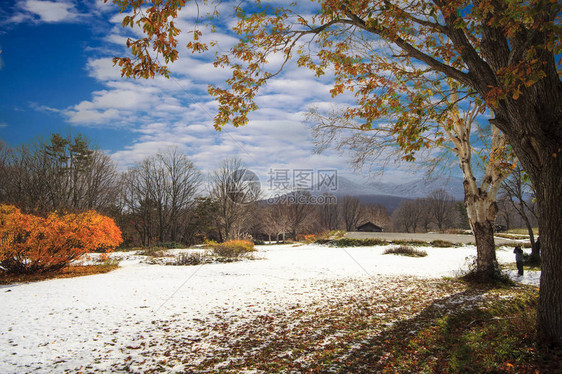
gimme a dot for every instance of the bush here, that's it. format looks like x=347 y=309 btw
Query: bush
x=405 y=250
x=471 y=275
x=331 y=235
x=191 y=258
x=442 y=244
x=31 y=244
x=309 y=238
x=338 y=234
x=153 y=252
x=349 y=242
x=530 y=261
x=514 y=244
x=232 y=248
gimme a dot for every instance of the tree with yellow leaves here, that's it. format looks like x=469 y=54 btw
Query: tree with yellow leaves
x=501 y=53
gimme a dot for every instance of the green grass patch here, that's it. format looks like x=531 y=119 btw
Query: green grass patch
x=496 y=336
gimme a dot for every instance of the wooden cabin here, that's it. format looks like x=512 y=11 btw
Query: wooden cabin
x=369 y=227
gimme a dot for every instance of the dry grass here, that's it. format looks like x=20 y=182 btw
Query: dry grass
x=68 y=272
x=523 y=231
x=405 y=250
x=232 y=248
x=415 y=326
x=442 y=244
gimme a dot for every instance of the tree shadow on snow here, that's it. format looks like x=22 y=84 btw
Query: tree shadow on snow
x=400 y=348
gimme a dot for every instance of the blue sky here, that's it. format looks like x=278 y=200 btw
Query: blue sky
x=56 y=74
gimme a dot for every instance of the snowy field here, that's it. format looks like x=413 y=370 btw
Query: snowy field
x=97 y=323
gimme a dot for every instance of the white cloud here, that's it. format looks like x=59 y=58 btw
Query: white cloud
x=46 y=11
x=178 y=112
x=2 y=125
x=116 y=39
x=200 y=70
x=121 y=104
x=19 y=17
x=93 y=116
x=43 y=108
x=102 y=69
x=138 y=151
x=102 y=6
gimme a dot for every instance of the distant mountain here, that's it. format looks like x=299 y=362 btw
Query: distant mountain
x=388 y=201
x=421 y=187
x=347 y=187
x=390 y=195
x=410 y=190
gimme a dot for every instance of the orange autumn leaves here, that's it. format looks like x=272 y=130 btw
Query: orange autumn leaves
x=30 y=244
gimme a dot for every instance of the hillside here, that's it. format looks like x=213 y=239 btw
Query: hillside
x=390 y=195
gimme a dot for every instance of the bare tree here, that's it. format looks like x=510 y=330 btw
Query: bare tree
x=276 y=220
x=5 y=155
x=160 y=192
x=441 y=208
x=506 y=212
x=182 y=181
x=64 y=173
x=454 y=135
x=233 y=189
x=299 y=212
x=329 y=215
x=519 y=192
x=26 y=183
x=101 y=183
x=137 y=195
x=351 y=212
x=376 y=214
x=426 y=220
x=407 y=216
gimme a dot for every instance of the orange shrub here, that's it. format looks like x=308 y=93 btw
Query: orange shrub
x=310 y=238
x=30 y=244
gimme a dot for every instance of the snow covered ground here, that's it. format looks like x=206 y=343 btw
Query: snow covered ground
x=90 y=323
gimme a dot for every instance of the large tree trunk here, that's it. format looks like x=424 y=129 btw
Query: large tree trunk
x=482 y=213
x=532 y=123
x=549 y=198
x=480 y=201
x=535 y=132
x=486 y=263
